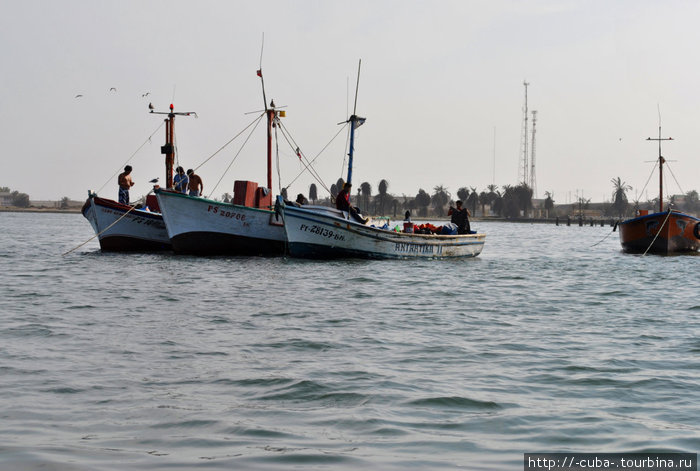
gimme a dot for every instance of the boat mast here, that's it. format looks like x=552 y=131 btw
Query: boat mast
x=355 y=122
x=661 y=168
x=169 y=148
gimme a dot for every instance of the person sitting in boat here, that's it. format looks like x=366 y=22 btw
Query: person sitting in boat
x=125 y=183
x=181 y=180
x=301 y=200
x=460 y=216
x=342 y=202
x=195 y=185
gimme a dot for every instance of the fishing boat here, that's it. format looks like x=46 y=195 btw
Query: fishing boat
x=322 y=232
x=246 y=226
x=663 y=232
x=122 y=227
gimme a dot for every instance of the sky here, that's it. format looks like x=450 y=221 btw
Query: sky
x=441 y=86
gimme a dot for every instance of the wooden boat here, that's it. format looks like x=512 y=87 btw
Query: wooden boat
x=664 y=232
x=121 y=227
x=322 y=232
x=248 y=226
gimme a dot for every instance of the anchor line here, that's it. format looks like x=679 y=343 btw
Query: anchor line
x=658 y=232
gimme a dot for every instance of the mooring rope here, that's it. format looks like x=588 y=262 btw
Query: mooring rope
x=658 y=232
x=105 y=229
x=610 y=233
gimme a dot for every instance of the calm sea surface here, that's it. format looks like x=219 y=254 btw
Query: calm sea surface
x=544 y=343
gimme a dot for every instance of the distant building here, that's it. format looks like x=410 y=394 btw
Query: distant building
x=5 y=198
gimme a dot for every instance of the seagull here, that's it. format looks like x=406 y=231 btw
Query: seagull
x=155 y=180
x=78 y=96
x=112 y=89
x=145 y=94
x=150 y=106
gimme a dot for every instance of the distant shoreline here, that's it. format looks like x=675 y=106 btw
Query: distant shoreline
x=39 y=210
x=562 y=220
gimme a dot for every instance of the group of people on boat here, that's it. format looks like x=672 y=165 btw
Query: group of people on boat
x=188 y=182
x=182 y=182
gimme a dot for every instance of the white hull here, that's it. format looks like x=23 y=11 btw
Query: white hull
x=121 y=228
x=200 y=225
x=328 y=233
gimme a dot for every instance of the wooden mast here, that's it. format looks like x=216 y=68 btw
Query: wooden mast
x=169 y=148
x=661 y=169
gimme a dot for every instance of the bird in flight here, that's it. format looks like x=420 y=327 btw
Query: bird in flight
x=145 y=94
x=78 y=96
x=112 y=89
x=155 y=180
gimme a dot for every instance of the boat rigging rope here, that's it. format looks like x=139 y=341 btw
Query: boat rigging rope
x=648 y=179
x=105 y=229
x=132 y=156
x=657 y=233
x=256 y=122
x=308 y=164
x=674 y=177
x=277 y=159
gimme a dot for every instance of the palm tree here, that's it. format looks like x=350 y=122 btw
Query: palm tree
x=383 y=187
x=440 y=198
x=463 y=194
x=548 y=202
x=484 y=199
x=366 y=190
x=473 y=200
x=313 y=193
x=619 y=196
x=422 y=201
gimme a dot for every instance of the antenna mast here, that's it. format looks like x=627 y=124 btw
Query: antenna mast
x=523 y=165
x=533 y=179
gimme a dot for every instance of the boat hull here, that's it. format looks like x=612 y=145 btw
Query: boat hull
x=661 y=233
x=120 y=228
x=202 y=226
x=329 y=234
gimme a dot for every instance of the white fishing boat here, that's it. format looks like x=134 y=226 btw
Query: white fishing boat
x=203 y=226
x=247 y=226
x=122 y=227
x=322 y=232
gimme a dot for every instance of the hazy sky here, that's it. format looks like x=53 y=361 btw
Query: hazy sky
x=439 y=79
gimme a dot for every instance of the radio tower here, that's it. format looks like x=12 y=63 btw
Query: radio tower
x=523 y=165
x=533 y=179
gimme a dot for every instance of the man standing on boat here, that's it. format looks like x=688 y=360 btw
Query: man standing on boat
x=125 y=183
x=181 y=181
x=195 y=185
x=460 y=216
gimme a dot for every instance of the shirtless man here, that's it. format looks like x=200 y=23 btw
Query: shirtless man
x=196 y=186
x=125 y=183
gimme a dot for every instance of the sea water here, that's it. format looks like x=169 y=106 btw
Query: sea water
x=552 y=340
